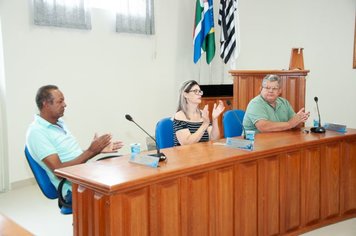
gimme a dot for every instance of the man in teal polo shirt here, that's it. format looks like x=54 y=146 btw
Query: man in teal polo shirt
x=268 y=112
x=50 y=142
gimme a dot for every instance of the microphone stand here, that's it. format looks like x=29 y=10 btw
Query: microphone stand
x=318 y=129
x=159 y=154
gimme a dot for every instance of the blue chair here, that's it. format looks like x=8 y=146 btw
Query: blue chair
x=232 y=126
x=164 y=133
x=46 y=186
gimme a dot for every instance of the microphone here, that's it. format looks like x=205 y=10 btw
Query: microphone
x=228 y=102
x=159 y=154
x=318 y=129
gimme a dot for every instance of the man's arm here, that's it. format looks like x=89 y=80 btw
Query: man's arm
x=53 y=162
x=270 y=126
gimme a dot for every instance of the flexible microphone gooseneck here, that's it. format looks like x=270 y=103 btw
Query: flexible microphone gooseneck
x=159 y=154
x=318 y=129
x=228 y=102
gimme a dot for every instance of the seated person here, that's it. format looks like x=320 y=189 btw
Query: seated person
x=268 y=112
x=190 y=124
x=50 y=142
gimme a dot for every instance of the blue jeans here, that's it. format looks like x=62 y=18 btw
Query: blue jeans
x=68 y=197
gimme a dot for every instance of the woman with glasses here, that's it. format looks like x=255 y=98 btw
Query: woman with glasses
x=190 y=124
x=269 y=112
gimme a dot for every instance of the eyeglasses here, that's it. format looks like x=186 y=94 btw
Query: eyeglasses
x=274 y=89
x=197 y=91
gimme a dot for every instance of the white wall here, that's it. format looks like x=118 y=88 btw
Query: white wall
x=4 y=170
x=105 y=75
x=325 y=29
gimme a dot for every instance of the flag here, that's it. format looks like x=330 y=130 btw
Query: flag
x=204 y=33
x=228 y=42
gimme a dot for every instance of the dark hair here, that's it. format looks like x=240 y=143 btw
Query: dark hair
x=44 y=94
x=182 y=101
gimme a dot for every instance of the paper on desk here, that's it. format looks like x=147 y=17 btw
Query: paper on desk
x=240 y=143
x=145 y=160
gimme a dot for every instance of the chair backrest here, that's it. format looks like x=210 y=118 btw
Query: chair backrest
x=232 y=126
x=164 y=133
x=43 y=181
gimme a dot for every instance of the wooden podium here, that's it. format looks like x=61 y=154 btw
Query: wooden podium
x=247 y=85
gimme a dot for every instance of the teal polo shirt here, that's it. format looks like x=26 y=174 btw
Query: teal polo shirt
x=260 y=109
x=44 y=139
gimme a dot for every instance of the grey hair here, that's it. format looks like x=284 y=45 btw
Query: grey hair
x=182 y=101
x=44 y=94
x=272 y=78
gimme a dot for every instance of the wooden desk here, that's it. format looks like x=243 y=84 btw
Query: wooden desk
x=9 y=228
x=291 y=183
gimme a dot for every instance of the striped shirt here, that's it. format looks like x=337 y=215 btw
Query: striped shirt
x=192 y=126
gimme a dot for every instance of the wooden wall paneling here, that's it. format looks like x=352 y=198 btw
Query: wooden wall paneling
x=157 y=224
x=99 y=202
x=245 y=207
x=245 y=90
x=235 y=91
x=165 y=208
x=348 y=177
x=89 y=199
x=135 y=207
x=196 y=200
x=330 y=180
x=294 y=91
x=184 y=204
x=115 y=215
x=91 y=219
x=268 y=196
x=214 y=197
x=242 y=88
x=85 y=210
x=75 y=201
x=257 y=86
x=221 y=183
x=290 y=195
x=310 y=186
x=289 y=90
x=301 y=91
x=285 y=87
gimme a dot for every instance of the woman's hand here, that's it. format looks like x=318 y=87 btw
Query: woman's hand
x=218 y=109
x=205 y=114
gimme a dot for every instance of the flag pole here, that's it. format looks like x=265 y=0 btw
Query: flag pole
x=222 y=73
x=210 y=75
x=199 y=71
